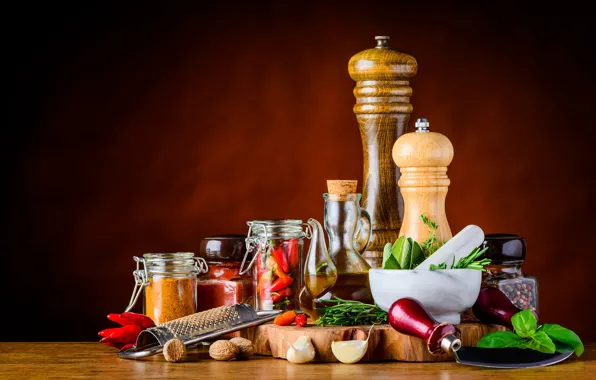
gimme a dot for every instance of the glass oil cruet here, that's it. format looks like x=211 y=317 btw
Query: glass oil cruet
x=339 y=271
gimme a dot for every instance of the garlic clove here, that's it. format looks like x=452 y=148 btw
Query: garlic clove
x=349 y=351
x=302 y=351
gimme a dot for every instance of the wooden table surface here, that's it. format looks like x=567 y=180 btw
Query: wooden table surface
x=92 y=360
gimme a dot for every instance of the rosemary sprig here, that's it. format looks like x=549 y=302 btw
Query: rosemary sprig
x=468 y=262
x=350 y=313
x=432 y=243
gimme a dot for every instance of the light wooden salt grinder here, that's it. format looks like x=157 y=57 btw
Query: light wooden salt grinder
x=383 y=110
x=423 y=157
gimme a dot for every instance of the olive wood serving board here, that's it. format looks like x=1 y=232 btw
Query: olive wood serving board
x=385 y=343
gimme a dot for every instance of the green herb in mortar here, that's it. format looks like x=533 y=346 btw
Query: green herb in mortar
x=548 y=338
x=468 y=262
x=432 y=243
x=405 y=253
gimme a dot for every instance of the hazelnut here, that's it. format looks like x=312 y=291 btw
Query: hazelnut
x=244 y=346
x=223 y=350
x=174 y=350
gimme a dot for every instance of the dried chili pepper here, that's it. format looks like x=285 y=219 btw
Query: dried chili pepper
x=285 y=319
x=129 y=318
x=125 y=334
x=301 y=320
x=281 y=259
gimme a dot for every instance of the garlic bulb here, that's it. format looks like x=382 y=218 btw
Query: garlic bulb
x=302 y=351
x=350 y=351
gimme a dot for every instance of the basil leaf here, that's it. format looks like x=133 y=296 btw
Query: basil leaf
x=524 y=323
x=560 y=334
x=562 y=347
x=500 y=339
x=416 y=254
x=540 y=342
x=389 y=261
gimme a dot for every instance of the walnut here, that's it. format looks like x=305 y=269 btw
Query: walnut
x=174 y=350
x=223 y=350
x=244 y=346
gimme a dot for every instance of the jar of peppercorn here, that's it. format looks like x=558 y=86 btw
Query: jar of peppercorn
x=223 y=284
x=277 y=263
x=507 y=253
x=169 y=282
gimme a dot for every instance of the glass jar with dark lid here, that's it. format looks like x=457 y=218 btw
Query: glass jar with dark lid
x=507 y=253
x=223 y=284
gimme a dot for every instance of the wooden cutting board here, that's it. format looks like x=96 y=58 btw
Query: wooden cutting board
x=385 y=343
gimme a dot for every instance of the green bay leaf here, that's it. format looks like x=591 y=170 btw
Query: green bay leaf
x=389 y=262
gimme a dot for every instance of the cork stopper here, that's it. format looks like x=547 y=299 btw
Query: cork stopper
x=338 y=186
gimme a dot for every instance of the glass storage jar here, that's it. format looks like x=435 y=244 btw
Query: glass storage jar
x=277 y=263
x=507 y=253
x=223 y=284
x=169 y=282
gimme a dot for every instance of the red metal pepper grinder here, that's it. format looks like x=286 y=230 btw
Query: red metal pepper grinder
x=383 y=110
x=407 y=316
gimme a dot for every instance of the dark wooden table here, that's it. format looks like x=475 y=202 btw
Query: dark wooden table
x=92 y=360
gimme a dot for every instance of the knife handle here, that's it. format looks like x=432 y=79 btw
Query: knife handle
x=408 y=316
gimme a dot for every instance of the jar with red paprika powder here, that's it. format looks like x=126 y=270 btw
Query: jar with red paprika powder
x=507 y=253
x=223 y=284
x=277 y=263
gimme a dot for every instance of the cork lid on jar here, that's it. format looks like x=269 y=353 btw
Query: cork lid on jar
x=504 y=248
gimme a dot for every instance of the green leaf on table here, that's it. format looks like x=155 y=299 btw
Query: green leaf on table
x=560 y=334
x=524 y=323
x=389 y=261
x=500 y=339
x=540 y=342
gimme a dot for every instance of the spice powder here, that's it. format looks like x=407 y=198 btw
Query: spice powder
x=167 y=299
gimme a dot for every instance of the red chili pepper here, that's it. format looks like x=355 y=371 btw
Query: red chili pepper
x=282 y=294
x=125 y=334
x=281 y=283
x=126 y=319
x=285 y=319
x=109 y=343
x=280 y=257
x=301 y=320
x=293 y=254
x=127 y=346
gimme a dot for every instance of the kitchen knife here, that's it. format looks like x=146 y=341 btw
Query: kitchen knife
x=408 y=316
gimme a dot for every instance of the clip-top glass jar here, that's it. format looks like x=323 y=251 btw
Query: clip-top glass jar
x=277 y=262
x=507 y=253
x=223 y=285
x=169 y=281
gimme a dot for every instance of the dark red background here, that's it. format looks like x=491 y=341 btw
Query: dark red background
x=144 y=129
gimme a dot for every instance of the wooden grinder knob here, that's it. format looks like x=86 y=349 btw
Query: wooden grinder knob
x=423 y=157
x=383 y=110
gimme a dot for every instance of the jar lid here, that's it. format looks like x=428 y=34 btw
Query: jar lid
x=504 y=248
x=230 y=247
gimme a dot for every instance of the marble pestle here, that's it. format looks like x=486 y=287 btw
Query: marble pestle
x=459 y=246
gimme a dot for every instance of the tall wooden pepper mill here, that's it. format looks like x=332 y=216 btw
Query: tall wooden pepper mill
x=423 y=157
x=383 y=110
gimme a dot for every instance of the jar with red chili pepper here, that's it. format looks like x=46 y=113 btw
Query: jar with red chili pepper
x=507 y=253
x=277 y=264
x=223 y=285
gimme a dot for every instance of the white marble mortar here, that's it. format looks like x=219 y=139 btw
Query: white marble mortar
x=445 y=293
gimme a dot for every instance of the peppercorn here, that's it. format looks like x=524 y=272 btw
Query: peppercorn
x=521 y=292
